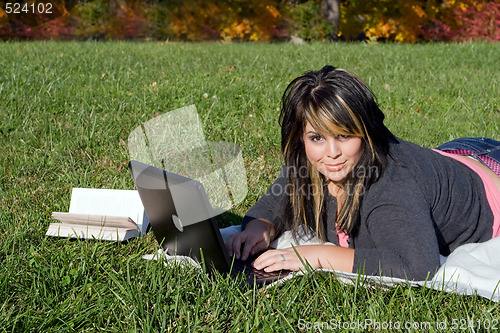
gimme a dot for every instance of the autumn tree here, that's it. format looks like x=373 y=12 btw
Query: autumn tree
x=331 y=11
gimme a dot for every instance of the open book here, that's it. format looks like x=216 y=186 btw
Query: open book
x=114 y=215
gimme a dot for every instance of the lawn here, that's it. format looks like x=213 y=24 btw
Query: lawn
x=66 y=111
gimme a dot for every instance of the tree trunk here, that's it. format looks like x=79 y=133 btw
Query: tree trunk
x=331 y=11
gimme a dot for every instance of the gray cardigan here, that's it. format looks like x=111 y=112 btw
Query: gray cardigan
x=423 y=205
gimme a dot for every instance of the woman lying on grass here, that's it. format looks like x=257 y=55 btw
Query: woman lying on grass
x=390 y=206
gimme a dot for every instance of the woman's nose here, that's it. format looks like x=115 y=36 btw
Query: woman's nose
x=333 y=149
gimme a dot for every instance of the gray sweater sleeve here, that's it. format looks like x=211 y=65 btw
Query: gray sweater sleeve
x=397 y=236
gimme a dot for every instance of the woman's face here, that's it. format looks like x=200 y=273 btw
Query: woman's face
x=334 y=156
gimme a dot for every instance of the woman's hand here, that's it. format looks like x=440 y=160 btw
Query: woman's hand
x=317 y=256
x=256 y=237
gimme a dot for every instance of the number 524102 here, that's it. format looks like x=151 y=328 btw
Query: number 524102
x=17 y=8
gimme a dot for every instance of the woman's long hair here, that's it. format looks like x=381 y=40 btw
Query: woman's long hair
x=335 y=102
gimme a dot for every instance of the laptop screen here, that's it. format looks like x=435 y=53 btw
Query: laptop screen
x=180 y=215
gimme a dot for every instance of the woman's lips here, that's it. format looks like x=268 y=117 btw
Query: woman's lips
x=334 y=167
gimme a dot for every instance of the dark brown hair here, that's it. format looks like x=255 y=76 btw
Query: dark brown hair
x=331 y=100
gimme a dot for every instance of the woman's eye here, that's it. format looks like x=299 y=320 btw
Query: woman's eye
x=315 y=138
x=343 y=137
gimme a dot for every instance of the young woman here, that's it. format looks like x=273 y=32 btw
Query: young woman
x=390 y=206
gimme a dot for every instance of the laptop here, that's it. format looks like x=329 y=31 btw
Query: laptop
x=182 y=221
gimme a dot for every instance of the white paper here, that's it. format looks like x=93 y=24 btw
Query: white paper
x=109 y=202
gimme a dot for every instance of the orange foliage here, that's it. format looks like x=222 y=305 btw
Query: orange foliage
x=3 y=14
x=411 y=20
x=387 y=19
x=258 y=20
x=202 y=20
x=128 y=21
x=465 y=20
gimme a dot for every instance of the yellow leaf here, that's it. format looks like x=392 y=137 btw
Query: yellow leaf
x=419 y=11
x=273 y=11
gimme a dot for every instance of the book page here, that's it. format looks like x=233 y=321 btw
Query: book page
x=91 y=232
x=95 y=220
x=109 y=202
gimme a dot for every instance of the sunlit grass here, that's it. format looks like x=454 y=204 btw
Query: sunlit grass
x=67 y=109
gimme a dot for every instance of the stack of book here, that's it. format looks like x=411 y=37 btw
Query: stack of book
x=104 y=214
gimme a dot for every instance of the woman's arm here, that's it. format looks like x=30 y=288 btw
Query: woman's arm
x=317 y=256
x=260 y=221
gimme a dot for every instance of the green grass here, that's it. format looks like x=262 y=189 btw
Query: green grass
x=67 y=109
